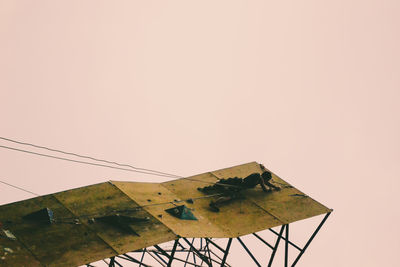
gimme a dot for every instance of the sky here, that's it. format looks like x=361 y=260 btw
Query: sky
x=310 y=89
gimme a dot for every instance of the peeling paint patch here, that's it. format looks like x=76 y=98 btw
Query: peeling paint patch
x=9 y=235
x=9 y=250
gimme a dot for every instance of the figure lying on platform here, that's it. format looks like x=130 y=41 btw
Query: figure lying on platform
x=230 y=188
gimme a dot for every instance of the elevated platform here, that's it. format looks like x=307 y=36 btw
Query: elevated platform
x=91 y=223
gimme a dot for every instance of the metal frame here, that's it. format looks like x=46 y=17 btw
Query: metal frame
x=198 y=251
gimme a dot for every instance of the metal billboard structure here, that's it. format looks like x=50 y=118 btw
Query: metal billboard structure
x=121 y=222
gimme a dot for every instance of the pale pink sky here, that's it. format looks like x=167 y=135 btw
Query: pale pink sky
x=309 y=88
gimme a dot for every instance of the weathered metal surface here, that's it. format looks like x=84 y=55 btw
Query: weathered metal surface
x=58 y=244
x=108 y=219
x=106 y=199
x=288 y=204
x=13 y=253
x=236 y=218
x=156 y=199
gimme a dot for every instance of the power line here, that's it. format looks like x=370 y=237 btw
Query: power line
x=106 y=166
x=20 y=188
x=131 y=168
x=89 y=157
x=82 y=162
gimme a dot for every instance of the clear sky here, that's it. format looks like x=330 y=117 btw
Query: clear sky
x=309 y=88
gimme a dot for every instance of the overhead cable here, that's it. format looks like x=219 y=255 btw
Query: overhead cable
x=103 y=165
x=82 y=162
x=89 y=157
x=130 y=169
x=20 y=188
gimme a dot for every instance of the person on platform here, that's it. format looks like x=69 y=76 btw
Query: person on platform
x=230 y=188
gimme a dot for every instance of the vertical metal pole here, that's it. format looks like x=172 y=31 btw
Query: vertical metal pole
x=198 y=253
x=205 y=252
x=271 y=259
x=311 y=239
x=173 y=253
x=111 y=264
x=141 y=259
x=201 y=247
x=194 y=256
x=290 y=242
x=228 y=246
x=287 y=245
x=187 y=257
x=208 y=250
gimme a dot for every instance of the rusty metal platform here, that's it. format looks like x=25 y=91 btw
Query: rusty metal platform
x=113 y=218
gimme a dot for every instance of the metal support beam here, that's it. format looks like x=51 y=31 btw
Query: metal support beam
x=248 y=251
x=173 y=253
x=117 y=263
x=141 y=259
x=290 y=242
x=201 y=256
x=208 y=252
x=287 y=245
x=271 y=259
x=160 y=262
x=207 y=255
x=262 y=240
x=228 y=246
x=187 y=257
x=216 y=245
x=129 y=258
x=111 y=264
x=179 y=244
x=205 y=252
x=311 y=239
x=218 y=257
x=163 y=252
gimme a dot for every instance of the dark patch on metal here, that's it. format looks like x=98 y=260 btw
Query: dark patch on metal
x=298 y=195
x=44 y=216
x=181 y=212
x=121 y=222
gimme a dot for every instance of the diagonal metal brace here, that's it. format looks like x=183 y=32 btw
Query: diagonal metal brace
x=201 y=256
x=311 y=239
